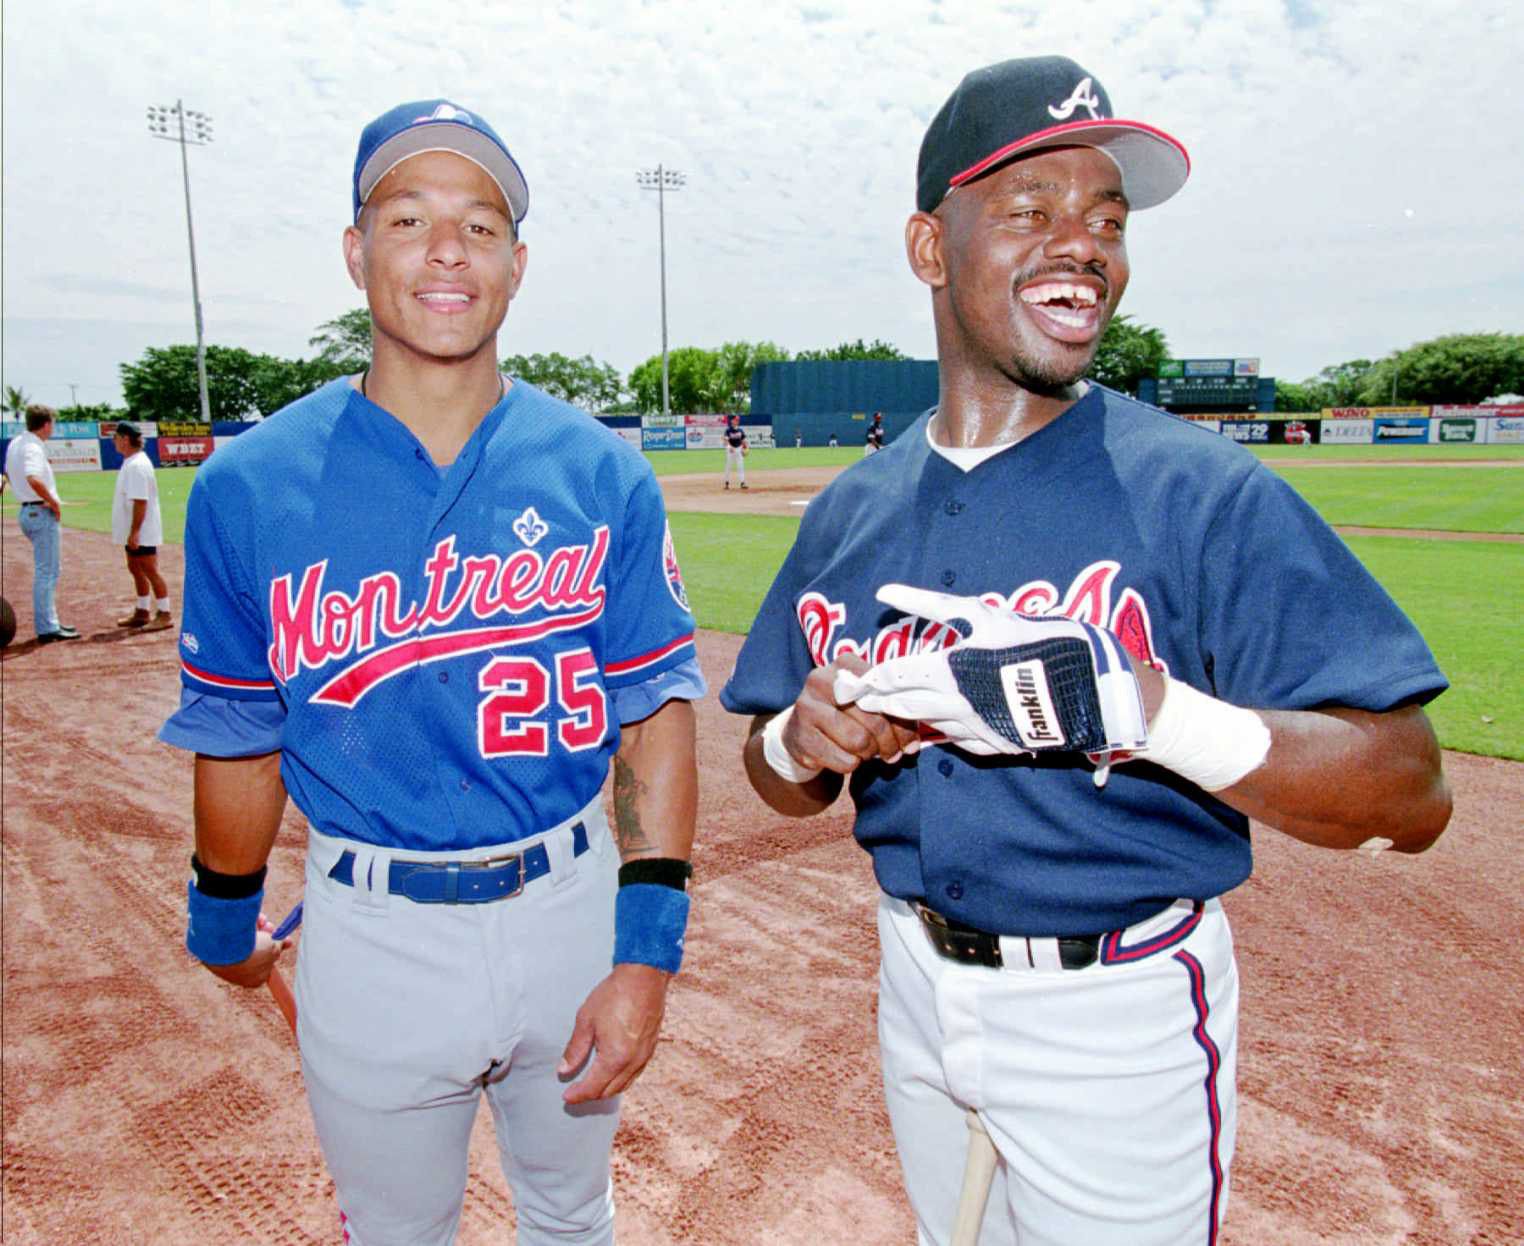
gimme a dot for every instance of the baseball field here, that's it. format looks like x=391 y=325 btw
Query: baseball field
x=1380 y=1067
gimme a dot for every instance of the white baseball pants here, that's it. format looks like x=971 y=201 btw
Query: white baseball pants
x=734 y=457
x=1108 y=1091
x=408 y=1013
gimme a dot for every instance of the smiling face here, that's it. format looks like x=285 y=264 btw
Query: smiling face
x=1028 y=264
x=435 y=253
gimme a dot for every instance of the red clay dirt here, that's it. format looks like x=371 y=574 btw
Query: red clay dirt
x=145 y=1102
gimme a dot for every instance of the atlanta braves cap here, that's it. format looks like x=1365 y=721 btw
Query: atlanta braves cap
x=436 y=125
x=1020 y=106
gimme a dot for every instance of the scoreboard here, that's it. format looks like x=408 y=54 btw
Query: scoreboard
x=1218 y=393
x=1226 y=385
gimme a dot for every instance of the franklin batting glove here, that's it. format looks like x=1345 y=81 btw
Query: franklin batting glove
x=1012 y=684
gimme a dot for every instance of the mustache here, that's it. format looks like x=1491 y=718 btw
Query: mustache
x=1062 y=269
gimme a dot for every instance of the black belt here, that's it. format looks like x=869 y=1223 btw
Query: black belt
x=34 y=504
x=968 y=946
x=464 y=882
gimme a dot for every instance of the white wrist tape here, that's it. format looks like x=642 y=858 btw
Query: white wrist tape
x=1209 y=742
x=777 y=754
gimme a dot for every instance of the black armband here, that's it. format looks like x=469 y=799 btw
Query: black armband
x=217 y=886
x=663 y=871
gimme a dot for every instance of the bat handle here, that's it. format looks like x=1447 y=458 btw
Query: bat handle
x=978 y=1173
x=284 y=1000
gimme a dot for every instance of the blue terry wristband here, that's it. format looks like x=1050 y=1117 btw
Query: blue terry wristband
x=649 y=921
x=221 y=932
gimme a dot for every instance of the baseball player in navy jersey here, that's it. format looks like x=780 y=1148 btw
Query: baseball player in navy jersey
x=874 y=441
x=1046 y=641
x=430 y=604
x=735 y=449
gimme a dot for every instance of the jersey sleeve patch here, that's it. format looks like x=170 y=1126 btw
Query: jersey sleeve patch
x=674 y=573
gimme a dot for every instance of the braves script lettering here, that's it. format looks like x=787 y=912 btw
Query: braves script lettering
x=1088 y=599
x=312 y=628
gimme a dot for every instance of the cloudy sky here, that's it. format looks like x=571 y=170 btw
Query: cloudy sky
x=1357 y=182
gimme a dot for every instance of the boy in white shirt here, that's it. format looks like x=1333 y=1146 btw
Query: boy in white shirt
x=137 y=522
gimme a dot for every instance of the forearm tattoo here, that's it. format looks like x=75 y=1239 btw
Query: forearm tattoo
x=628 y=793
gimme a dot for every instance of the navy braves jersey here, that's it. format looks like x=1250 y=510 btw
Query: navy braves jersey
x=1175 y=538
x=445 y=641
x=875 y=436
x=735 y=436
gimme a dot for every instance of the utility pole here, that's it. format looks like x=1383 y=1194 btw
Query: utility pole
x=662 y=180
x=170 y=125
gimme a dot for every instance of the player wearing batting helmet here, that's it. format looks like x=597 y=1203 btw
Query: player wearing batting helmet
x=1114 y=639
x=432 y=604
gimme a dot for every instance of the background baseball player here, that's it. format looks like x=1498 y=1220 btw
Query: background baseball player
x=138 y=525
x=874 y=441
x=1054 y=953
x=735 y=449
x=448 y=601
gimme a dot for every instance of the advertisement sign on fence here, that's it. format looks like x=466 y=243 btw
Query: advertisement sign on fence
x=74 y=454
x=1256 y=432
x=181 y=451
x=675 y=420
x=1366 y=413
x=1412 y=429
x=661 y=439
x=1508 y=430
x=146 y=428
x=1346 y=432
x=1450 y=431
x=706 y=432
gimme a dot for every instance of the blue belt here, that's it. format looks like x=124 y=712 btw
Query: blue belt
x=464 y=882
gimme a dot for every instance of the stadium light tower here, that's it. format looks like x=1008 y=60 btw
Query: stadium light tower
x=662 y=180
x=178 y=124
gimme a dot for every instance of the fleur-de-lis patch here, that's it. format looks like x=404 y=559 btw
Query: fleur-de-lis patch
x=530 y=528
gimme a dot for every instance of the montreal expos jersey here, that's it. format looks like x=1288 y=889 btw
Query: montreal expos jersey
x=1175 y=538
x=445 y=642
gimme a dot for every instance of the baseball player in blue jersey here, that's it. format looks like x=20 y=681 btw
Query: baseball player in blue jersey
x=1061 y=647
x=430 y=604
x=735 y=449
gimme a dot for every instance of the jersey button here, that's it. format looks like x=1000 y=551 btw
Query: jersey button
x=955 y=891
x=949 y=578
x=465 y=785
x=953 y=508
x=945 y=768
x=444 y=677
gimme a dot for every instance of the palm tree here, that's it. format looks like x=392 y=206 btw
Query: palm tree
x=15 y=402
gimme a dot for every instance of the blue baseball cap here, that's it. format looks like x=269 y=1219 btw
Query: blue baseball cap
x=1009 y=110
x=436 y=125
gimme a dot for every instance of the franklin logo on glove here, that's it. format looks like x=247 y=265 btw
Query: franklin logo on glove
x=1013 y=683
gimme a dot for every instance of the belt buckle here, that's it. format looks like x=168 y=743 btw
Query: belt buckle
x=929 y=915
x=492 y=863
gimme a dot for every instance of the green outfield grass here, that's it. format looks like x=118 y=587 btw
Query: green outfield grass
x=86 y=498
x=1385 y=454
x=687 y=462
x=1466 y=596
x=1459 y=499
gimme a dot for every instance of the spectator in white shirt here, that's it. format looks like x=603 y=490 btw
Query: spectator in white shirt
x=31 y=476
x=138 y=524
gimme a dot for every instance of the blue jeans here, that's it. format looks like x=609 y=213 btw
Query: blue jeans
x=42 y=531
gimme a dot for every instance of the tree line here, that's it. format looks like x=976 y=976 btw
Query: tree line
x=242 y=384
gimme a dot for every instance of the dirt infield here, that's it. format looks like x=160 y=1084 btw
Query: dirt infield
x=144 y=1102
x=787 y=491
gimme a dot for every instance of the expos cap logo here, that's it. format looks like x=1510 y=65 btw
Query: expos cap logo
x=448 y=112
x=673 y=572
x=1083 y=96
